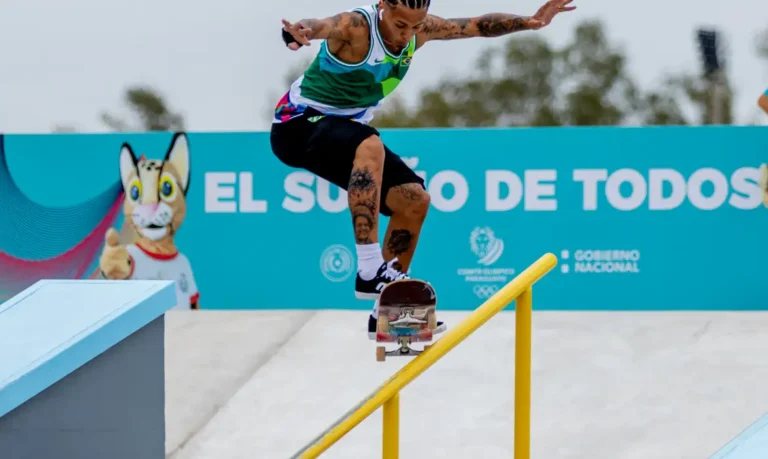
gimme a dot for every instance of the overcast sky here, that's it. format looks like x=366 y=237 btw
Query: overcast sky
x=221 y=62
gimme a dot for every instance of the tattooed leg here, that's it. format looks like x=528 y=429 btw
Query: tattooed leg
x=409 y=204
x=365 y=189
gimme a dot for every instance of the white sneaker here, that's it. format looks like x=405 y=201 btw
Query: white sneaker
x=371 y=289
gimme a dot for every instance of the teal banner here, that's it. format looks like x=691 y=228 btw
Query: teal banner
x=640 y=218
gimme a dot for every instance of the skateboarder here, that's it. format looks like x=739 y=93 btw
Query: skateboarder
x=321 y=123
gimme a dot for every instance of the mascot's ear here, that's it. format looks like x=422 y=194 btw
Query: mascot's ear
x=127 y=164
x=178 y=155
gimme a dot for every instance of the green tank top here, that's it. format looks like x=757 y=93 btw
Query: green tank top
x=333 y=87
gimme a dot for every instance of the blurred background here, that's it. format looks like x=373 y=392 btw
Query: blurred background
x=102 y=66
x=663 y=357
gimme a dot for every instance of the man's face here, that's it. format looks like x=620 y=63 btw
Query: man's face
x=362 y=227
x=399 y=23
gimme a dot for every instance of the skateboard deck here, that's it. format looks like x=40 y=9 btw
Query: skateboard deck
x=406 y=315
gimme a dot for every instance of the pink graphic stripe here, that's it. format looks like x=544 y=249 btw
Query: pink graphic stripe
x=18 y=274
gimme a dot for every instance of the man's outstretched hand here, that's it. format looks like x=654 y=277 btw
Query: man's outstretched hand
x=299 y=33
x=546 y=13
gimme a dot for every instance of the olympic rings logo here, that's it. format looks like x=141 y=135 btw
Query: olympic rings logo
x=485 y=291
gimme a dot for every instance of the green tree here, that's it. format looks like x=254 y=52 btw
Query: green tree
x=661 y=106
x=710 y=97
x=150 y=109
x=761 y=45
x=528 y=82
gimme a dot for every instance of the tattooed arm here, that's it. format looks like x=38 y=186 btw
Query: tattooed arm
x=341 y=27
x=490 y=25
x=487 y=25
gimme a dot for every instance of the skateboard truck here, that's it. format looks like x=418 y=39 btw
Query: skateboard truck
x=406 y=315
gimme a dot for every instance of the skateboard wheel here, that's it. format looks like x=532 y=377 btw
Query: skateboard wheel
x=381 y=354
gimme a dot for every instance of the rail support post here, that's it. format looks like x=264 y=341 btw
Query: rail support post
x=523 y=313
x=391 y=424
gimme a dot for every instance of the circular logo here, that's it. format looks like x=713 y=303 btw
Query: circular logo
x=336 y=263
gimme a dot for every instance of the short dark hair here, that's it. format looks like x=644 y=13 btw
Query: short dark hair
x=413 y=4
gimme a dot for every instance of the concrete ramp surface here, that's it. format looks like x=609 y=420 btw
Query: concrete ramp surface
x=260 y=384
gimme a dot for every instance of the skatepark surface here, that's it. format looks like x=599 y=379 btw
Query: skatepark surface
x=612 y=385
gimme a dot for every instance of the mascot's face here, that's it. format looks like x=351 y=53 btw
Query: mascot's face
x=155 y=191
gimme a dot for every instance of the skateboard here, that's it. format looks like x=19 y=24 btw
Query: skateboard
x=406 y=315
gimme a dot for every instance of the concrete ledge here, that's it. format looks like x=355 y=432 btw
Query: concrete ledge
x=82 y=369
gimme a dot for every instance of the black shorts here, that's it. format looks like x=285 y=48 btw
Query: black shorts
x=326 y=147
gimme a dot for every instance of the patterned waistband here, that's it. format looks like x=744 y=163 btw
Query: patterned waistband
x=286 y=110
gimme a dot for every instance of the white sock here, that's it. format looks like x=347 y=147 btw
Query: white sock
x=369 y=260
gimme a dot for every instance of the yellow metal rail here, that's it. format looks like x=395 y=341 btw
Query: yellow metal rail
x=387 y=395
